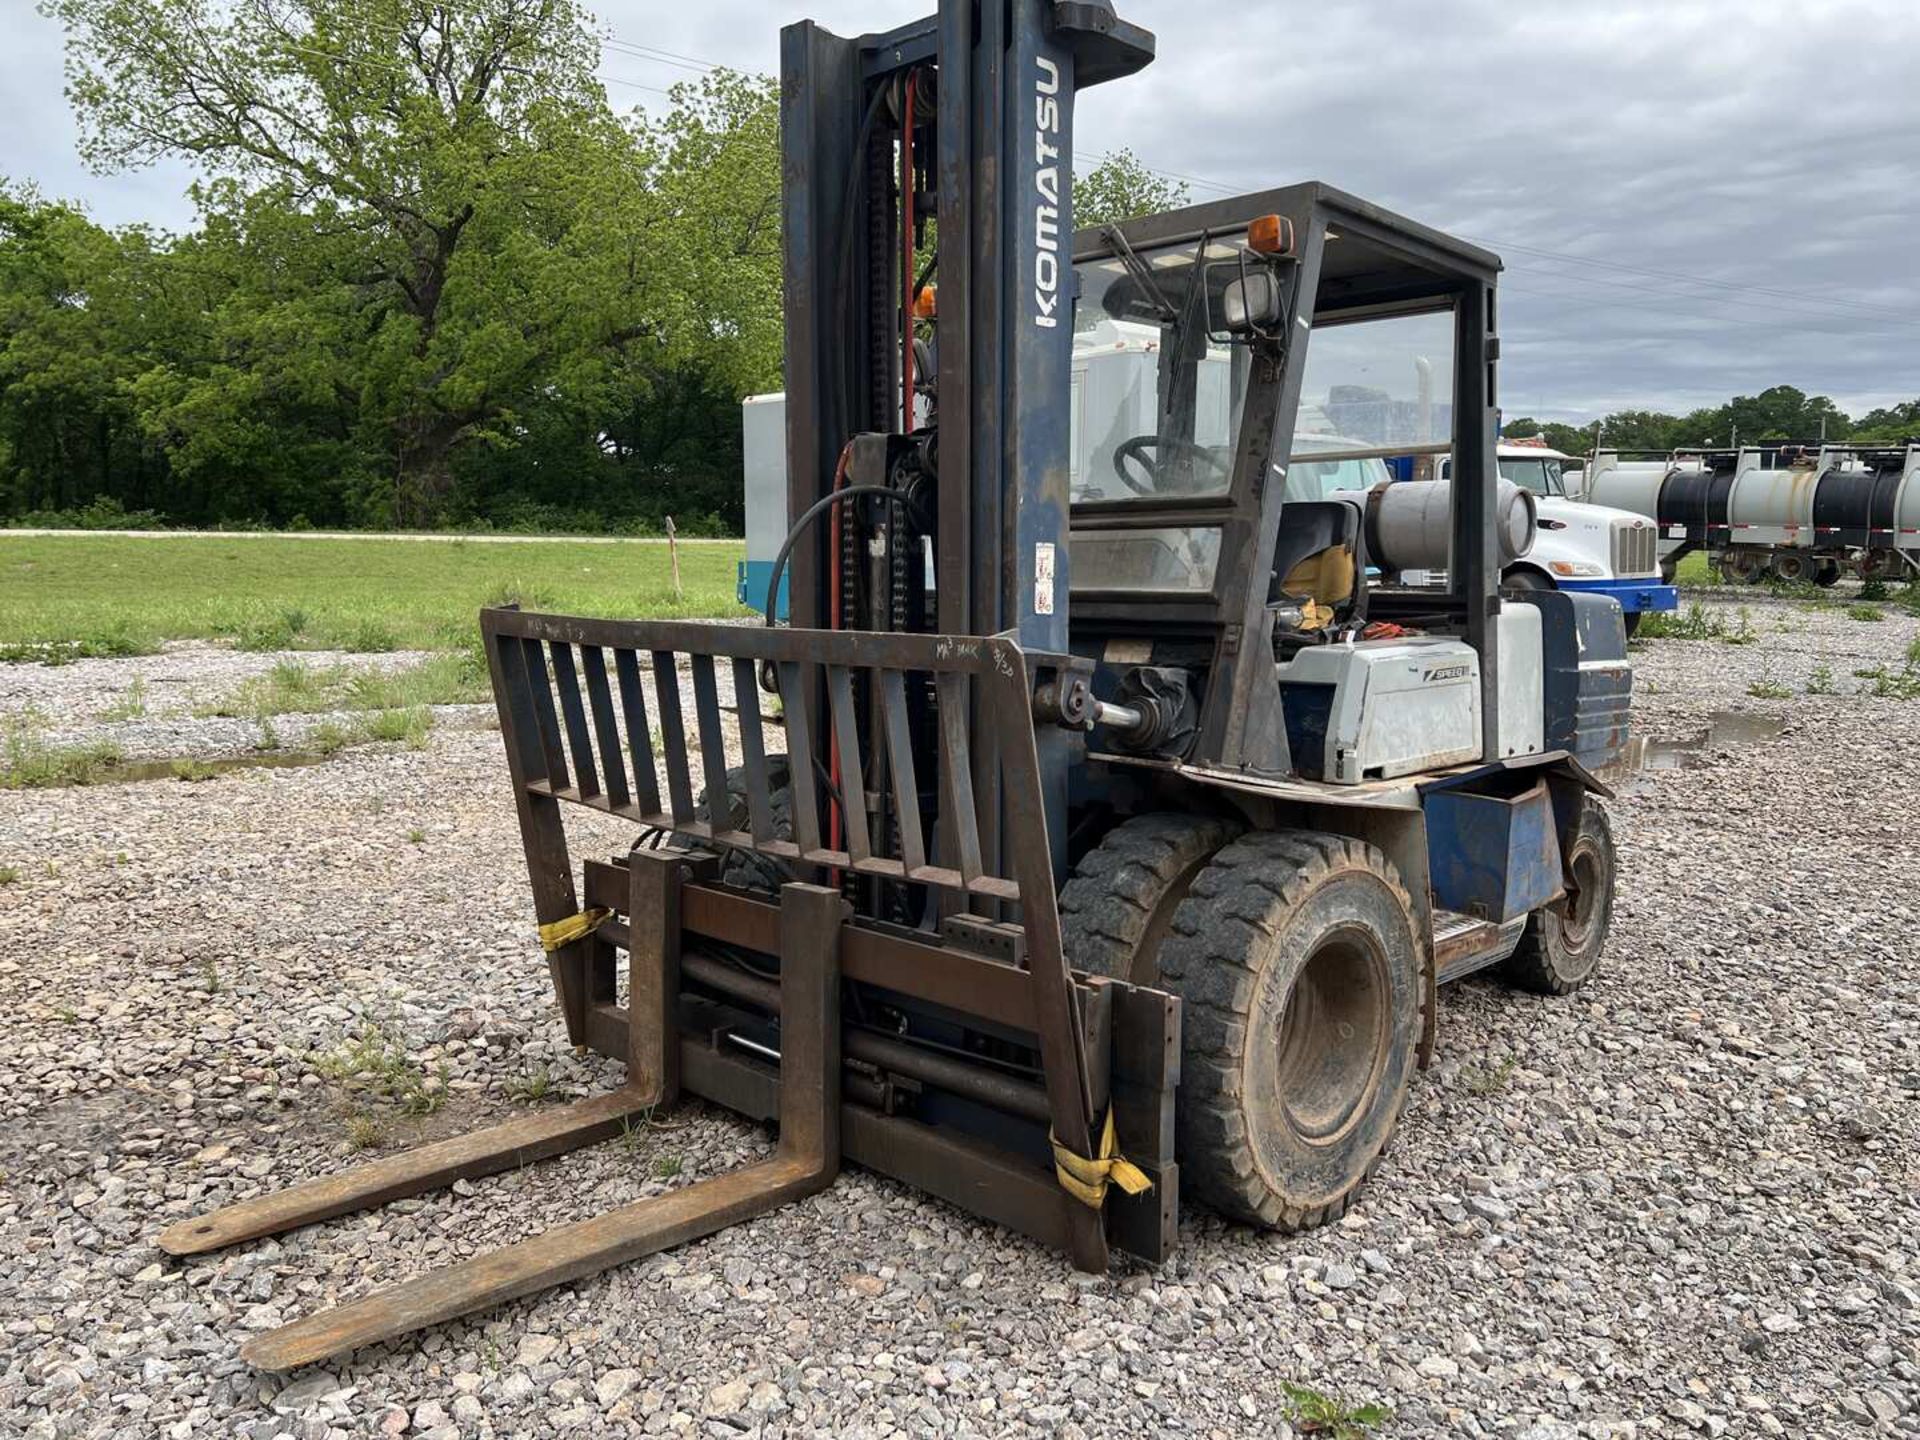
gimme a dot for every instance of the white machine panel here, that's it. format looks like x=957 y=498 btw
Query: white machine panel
x=1395 y=707
x=1523 y=714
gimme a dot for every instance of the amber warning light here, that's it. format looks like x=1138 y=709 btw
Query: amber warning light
x=1271 y=235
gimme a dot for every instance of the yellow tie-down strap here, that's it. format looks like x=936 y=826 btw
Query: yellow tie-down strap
x=575 y=927
x=1087 y=1179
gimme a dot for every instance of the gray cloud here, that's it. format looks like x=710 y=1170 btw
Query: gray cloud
x=1619 y=156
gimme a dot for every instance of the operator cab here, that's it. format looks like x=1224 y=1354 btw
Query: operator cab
x=1243 y=369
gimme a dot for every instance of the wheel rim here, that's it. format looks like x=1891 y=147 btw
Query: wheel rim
x=1580 y=911
x=1333 y=1038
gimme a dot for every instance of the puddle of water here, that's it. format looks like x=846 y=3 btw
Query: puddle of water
x=1726 y=730
x=190 y=769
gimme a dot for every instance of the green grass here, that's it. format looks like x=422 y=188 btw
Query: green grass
x=1868 y=613
x=373 y=1064
x=294 y=687
x=1320 y=1414
x=410 y=725
x=1767 y=688
x=1693 y=572
x=1696 y=623
x=131 y=705
x=28 y=762
x=1887 y=683
x=1488 y=1080
x=71 y=596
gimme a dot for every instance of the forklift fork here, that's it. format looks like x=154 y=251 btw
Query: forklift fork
x=1028 y=1142
x=805 y=1161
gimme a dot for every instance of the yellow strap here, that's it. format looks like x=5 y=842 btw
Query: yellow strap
x=574 y=927
x=1087 y=1180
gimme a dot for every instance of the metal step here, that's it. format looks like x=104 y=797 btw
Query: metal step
x=1462 y=944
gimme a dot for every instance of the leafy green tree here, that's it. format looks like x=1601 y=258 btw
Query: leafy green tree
x=1638 y=430
x=1785 y=413
x=426 y=197
x=82 y=310
x=1889 y=424
x=1121 y=188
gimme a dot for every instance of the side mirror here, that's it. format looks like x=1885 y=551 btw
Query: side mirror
x=1252 y=303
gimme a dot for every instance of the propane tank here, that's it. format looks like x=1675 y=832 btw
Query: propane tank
x=1410 y=525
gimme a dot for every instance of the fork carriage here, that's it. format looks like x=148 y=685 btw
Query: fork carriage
x=975 y=1022
x=964 y=1059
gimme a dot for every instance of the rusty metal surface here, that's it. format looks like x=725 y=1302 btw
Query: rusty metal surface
x=550 y=671
x=805 y=1161
x=981 y=690
x=941 y=975
x=501 y=1147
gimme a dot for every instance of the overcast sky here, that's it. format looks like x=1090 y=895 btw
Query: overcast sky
x=1694 y=198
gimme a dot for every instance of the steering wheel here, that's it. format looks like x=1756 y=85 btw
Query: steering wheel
x=1130 y=455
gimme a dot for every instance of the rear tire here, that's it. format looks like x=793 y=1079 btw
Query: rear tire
x=1296 y=958
x=1561 y=946
x=1115 y=910
x=747 y=869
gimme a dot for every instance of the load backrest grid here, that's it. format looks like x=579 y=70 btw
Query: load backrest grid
x=586 y=732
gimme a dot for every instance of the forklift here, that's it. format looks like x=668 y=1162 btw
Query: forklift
x=1086 y=840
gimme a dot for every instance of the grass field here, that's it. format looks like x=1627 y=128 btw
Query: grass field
x=75 y=595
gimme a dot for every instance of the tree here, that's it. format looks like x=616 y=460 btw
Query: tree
x=1783 y=413
x=1889 y=425
x=1121 y=188
x=82 y=310
x=424 y=192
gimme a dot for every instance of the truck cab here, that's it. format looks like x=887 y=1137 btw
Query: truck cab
x=1581 y=548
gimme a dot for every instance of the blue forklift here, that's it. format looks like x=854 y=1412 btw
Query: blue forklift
x=1084 y=842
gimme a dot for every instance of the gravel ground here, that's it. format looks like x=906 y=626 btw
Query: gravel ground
x=93 y=699
x=1682 y=1202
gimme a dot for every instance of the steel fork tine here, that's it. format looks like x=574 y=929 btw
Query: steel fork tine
x=805 y=1162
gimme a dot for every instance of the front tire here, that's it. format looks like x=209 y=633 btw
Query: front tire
x=1561 y=946
x=1297 y=961
x=1115 y=911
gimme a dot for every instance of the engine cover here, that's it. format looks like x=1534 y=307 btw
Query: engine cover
x=1377 y=709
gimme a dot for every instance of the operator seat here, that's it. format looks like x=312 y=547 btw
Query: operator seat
x=1320 y=565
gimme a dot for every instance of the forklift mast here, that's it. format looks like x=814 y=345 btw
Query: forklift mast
x=965 y=119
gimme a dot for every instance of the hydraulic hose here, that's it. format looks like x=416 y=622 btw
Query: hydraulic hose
x=815 y=511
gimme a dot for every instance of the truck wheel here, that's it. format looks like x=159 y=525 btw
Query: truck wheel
x=1523 y=578
x=1561 y=945
x=1296 y=959
x=1116 y=908
x=745 y=868
x=1631 y=620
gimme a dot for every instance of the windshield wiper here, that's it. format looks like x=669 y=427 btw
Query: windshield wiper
x=1142 y=274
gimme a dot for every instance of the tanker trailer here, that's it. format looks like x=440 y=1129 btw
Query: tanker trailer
x=1793 y=512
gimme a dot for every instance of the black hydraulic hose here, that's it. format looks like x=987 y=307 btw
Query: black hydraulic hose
x=814 y=512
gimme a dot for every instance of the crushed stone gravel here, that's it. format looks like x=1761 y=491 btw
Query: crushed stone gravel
x=1682 y=1202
